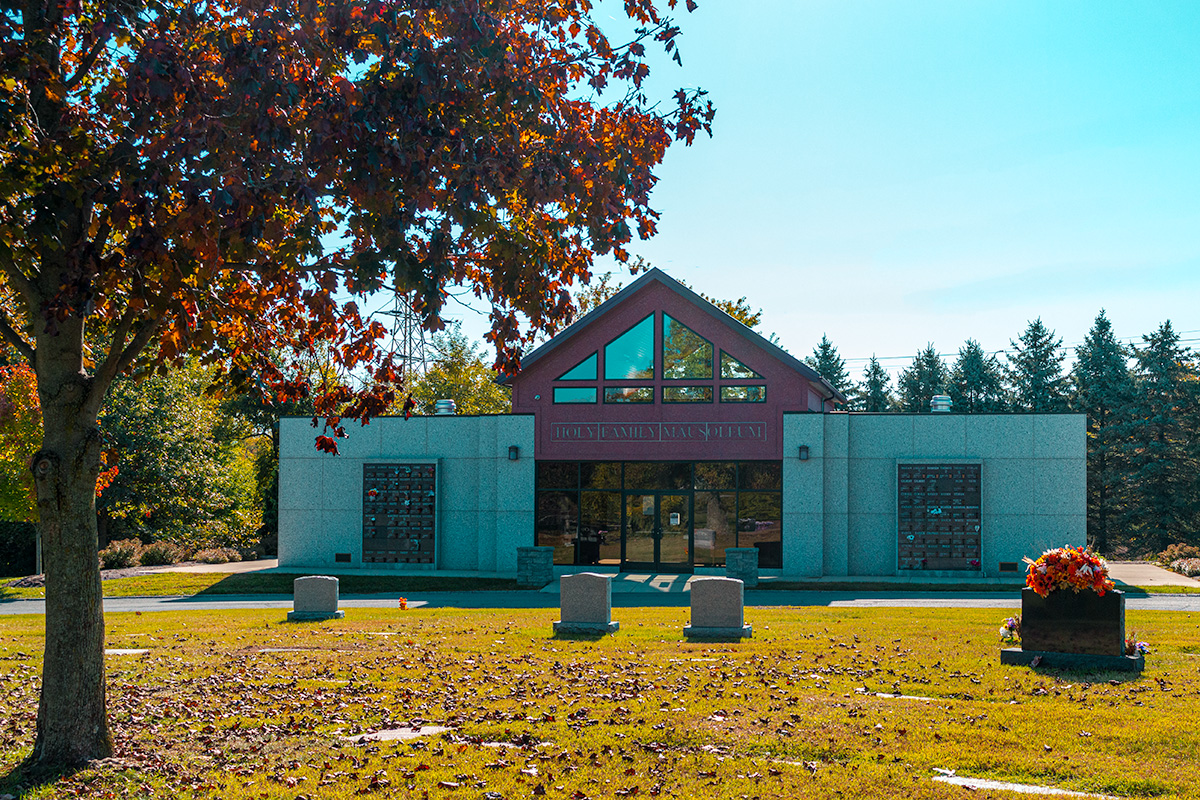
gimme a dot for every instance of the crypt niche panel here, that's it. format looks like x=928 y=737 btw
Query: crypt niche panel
x=399 y=501
x=939 y=516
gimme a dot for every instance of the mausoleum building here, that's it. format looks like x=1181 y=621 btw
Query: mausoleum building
x=658 y=431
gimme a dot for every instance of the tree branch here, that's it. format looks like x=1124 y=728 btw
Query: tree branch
x=124 y=357
x=10 y=335
x=108 y=370
x=19 y=280
x=86 y=63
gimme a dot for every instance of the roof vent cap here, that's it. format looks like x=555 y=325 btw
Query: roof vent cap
x=940 y=403
x=445 y=408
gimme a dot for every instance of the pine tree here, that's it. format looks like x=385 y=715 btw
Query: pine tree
x=826 y=361
x=1102 y=387
x=1163 y=458
x=875 y=391
x=1035 y=372
x=976 y=380
x=919 y=383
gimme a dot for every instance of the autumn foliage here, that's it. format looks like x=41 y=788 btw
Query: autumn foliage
x=239 y=181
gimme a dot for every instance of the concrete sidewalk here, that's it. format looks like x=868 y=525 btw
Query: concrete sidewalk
x=501 y=600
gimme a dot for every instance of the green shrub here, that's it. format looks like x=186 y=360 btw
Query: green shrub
x=18 y=548
x=1177 y=551
x=121 y=554
x=160 y=554
x=218 y=555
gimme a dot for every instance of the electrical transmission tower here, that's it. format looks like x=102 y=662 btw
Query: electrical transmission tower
x=408 y=337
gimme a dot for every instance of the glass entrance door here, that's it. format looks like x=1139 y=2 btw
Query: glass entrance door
x=658 y=532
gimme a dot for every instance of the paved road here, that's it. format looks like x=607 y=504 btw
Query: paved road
x=625 y=600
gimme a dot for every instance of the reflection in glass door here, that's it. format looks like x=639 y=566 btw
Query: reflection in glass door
x=658 y=531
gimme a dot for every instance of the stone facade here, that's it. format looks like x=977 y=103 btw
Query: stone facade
x=484 y=499
x=840 y=504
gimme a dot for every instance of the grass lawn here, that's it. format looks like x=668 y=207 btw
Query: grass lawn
x=217 y=583
x=209 y=711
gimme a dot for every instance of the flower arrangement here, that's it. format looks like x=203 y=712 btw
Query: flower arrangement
x=1074 y=568
x=1010 y=631
x=1135 y=648
x=404 y=604
x=1187 y=566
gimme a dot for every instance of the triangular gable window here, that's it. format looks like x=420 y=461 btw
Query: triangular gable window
x=686 y=354
x=583 y=371
x=732 y=368
x=630 y=356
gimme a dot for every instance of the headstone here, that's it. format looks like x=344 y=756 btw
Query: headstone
x=314 y=597
x=1073 y=622
x=586 y=602
x=741 y=563
x=535 y=566
x=717 y=609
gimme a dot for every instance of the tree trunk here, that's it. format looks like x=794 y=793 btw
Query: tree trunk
x=72 y=723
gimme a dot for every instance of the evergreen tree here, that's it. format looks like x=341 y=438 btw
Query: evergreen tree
x=826 y=361
x=1035 y=372
x=875 y=391
x=1102 y=387
x=1163 y=458
x=920 y=382
x=976 y=380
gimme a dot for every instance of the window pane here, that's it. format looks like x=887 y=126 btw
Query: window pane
x=686 y=354
x=715 y=529
x=629 y=394
x=657 y=475
x=557 y=475
x=600 y=528
x=583 y=371
x=600 y=475
x=574 y=394
x=557 y=524
x=716 y=475
x=760 y=525
x=732 y=368
x=760 y=475
x=687 y=394
x=743 y=394
x=631 y=355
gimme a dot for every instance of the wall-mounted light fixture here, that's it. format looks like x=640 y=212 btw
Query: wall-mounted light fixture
x=804 y=452
x=514 y=452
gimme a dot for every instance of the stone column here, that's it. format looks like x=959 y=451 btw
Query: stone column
x=741 y=563
x=535 y=566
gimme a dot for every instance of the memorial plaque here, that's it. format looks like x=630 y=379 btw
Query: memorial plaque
x=939 y=516
x=399 y=509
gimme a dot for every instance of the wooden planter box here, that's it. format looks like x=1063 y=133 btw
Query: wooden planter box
x=1072 y=630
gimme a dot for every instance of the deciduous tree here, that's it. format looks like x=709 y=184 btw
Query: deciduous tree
x=231 y=179
x=458 y=373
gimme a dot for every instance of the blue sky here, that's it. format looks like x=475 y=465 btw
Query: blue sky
x=891 y=174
